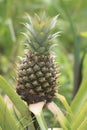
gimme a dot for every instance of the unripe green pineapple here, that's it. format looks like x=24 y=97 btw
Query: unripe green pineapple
x=37 y=74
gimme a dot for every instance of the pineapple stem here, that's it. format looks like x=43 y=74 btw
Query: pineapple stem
x=41 y=121
x=36 y=109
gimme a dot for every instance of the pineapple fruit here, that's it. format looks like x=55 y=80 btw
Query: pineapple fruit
x=37 y=72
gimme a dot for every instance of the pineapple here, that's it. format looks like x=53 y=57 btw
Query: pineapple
x=37 y=73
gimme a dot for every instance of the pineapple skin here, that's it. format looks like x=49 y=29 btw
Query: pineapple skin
x=37 y=78
x=38 y=74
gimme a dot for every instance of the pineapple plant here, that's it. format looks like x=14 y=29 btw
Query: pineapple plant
x=38 y=73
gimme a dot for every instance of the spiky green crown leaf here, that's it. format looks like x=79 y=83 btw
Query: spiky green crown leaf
x=39 y=33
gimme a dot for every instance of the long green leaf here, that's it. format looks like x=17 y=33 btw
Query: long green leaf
x=7 y=120
x=41 y=121
x=80 y=116
x=19 y=104
x=83 y=125
x=80 y=98
x=0 y=128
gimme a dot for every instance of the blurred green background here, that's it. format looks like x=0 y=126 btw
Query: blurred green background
x=72 y=44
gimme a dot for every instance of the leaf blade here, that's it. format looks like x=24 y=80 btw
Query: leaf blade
x=7 y=120
x=79 y=98
x=19 y=104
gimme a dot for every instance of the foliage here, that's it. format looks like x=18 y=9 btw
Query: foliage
x=75 y=118
x=72 y=44
x=71 y=22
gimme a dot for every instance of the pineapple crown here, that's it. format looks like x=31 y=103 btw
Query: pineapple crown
x=39 y=33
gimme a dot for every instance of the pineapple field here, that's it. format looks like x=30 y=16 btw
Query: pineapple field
x=43 y=65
